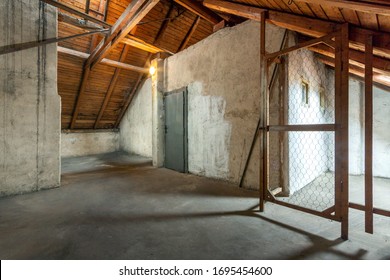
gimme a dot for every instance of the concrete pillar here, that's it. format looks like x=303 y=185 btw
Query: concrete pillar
x=29 y=104
x=158 y=118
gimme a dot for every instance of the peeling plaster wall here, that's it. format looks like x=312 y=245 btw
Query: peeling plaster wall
x=29 y=103
x=136 y=125
x=222 y=74
x=83 y=144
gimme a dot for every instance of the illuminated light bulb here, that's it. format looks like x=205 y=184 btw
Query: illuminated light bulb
x=152 y=70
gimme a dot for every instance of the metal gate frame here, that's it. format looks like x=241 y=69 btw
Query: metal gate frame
x=341 y=46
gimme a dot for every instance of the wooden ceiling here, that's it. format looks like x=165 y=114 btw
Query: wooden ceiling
x=98 y=98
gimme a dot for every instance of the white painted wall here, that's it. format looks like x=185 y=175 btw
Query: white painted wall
x=381 y=153
x=136 y=125
x=88 y=143
x=222 y=74
x=29 y=103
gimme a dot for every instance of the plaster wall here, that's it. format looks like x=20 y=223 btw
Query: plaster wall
x=136 y=126
x=29 y=103
x=83 y=144
x=222 y=75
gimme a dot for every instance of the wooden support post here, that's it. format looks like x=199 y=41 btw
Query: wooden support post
x=341 y=137
x=368 y=113
x=87 y=4
x=263 y=114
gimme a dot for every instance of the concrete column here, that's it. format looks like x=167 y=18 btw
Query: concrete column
x=158 y=118
x=29 y=105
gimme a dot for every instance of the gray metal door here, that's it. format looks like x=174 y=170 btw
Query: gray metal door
x=176 y=130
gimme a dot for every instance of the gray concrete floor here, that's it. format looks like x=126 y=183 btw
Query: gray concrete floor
x=117 y=206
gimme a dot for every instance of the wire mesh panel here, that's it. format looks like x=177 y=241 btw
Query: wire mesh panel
x=301 y=160
x=306 y=175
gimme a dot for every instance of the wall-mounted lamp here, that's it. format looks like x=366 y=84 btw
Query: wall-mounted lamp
x=152 y=70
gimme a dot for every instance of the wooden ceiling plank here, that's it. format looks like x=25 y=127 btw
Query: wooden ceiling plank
x=80 y=95
x=189 y=34
x=374 y=8
x=200 y=10
x=71 y=10
x=95 y=37
x=164 y=25
x=126 y=22
x=111 y=86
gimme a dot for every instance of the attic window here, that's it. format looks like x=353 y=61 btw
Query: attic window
x=305 y=93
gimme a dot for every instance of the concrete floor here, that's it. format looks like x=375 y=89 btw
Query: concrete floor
x=117 y=206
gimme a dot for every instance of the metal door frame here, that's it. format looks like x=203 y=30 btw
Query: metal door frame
x=183 y=90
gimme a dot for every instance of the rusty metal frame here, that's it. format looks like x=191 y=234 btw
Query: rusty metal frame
x=338 y=212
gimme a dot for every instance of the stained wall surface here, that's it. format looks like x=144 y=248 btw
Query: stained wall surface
x=29 y=103
x=83 y=144
x=222 y=74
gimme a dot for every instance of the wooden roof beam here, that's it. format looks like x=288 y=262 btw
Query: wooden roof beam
x=312 y=27
x=305 y=25
x=373 y=8
x=129 y=39
x=105 y=61
x=358 y=71
x=198 y=9
x=380 y=65
x=135 y=12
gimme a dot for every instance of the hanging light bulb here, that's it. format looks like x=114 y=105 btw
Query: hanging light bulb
x=152 y=70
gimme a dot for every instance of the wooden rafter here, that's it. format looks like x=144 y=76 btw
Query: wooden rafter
x=355 y=70
x=380 y=65
x=126 y=22
x=129 y=39
x=200 y=10
x=135 y=11
x=111 y=86
x=233 y=8
x=308 y=26
x=189 y=34
x=105 y=61
x=374 y=8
